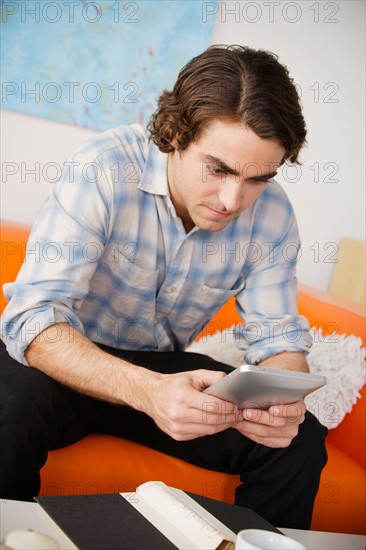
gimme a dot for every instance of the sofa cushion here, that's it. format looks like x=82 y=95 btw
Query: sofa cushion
x=121 y=465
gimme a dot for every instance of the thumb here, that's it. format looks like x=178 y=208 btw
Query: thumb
x=203 y=378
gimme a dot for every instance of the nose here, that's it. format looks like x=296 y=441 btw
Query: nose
x=231 y=195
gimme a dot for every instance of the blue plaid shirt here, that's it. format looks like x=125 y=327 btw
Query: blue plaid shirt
x=109 y=255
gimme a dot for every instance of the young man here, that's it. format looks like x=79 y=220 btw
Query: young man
x=140 y=243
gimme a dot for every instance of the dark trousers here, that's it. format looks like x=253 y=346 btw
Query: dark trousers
x=38 y=414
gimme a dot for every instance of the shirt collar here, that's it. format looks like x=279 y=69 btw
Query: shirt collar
x=154 y=175
x=154 y=179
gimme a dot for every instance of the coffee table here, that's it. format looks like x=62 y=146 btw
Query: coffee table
x=28 y=515
x=320 y=540
x=16 y=515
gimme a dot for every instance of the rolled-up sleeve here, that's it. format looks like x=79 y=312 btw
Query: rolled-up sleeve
x=268 y=302
x=55 y=274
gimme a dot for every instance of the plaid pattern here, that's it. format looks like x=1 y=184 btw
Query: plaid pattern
x=108 y=255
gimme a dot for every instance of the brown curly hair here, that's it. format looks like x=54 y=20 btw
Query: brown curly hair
x=234 y=83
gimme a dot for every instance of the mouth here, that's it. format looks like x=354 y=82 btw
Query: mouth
x=219 y=214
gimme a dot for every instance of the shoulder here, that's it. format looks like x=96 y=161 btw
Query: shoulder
x=100 y=166
x=126 y=141
x=274 y=214
x=270 y=217
x=274 y=196
x=273 y=208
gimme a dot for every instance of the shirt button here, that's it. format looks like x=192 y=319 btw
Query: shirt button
x=169 y=290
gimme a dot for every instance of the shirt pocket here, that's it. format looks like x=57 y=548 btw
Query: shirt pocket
x=207 y=302
x=126 y=290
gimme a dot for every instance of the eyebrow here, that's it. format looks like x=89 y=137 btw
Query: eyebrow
x=225 y=168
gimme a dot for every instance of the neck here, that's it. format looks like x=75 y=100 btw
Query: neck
x=174 y=197
x=187 y=223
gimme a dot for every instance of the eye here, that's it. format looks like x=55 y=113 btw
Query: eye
x=214 y=170
x=256 y=181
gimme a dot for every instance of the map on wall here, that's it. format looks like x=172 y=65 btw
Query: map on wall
x=97 y=64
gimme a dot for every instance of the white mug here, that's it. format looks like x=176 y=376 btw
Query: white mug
x=258 y=539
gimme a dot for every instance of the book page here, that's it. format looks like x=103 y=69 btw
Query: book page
x=182 y=520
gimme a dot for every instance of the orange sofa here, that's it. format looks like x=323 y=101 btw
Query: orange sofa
x=105 y=464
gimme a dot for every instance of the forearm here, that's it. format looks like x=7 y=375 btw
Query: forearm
x=175 y=402
x=64 y=354
x=288 y=360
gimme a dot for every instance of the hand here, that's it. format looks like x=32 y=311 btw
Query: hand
x=178 y=406
x=275 y=427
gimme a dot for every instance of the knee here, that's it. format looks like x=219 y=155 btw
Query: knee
x=312 y=436
x=312 y=427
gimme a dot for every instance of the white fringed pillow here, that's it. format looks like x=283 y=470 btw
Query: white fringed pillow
x=339 y=357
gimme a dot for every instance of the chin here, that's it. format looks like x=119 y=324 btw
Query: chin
x=212 y=226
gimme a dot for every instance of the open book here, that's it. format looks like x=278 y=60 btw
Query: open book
x=180 y=518
x=156 y=516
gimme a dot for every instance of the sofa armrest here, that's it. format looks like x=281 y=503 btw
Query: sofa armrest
x=335 y=314
x=13 y=238
x=331 y=313
x=349 y=436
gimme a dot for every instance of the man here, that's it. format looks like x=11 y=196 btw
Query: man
x=132 y=255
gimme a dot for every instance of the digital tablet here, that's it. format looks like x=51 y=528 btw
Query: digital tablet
x=254 y=387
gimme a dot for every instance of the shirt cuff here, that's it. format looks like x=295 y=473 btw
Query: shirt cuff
x=260 y=339
x=20 y=335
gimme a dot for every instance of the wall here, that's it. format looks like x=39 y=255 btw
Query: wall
x=322 y=43
x=33 y=151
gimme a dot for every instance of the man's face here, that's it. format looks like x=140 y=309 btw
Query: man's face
x=221 y=174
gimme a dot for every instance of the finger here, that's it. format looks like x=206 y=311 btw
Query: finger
x=203 y=378
x=186 y=431
x=198 y=381
x=216 y=411
x=268 y=418
x=252 y=430
x=201 y=410
x=182 y=396
x=259 y=416
x=292 y=412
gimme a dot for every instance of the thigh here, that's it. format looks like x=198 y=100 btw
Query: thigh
x=169 y=362
x=67 y=416
x=32 y=403
x=228 y=451
x=218 y=452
